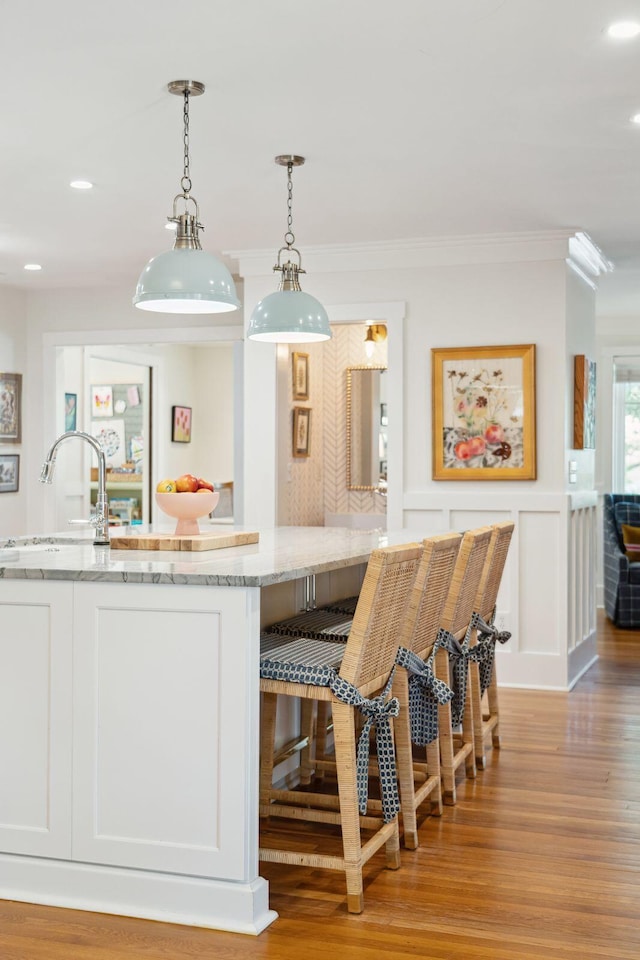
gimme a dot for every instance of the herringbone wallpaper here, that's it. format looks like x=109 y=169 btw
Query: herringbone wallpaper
x=318 y=483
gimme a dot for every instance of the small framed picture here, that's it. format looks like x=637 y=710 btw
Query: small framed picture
x=70 y=411
x=300 y=369
x=584 y=404
x=10 y=407
x=181 y=424
x=301 y=431
x=101 y=401
x=9 y=472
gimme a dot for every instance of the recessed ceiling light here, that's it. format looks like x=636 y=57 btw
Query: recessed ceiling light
x=624 y=30
x=635 y=118
x=32 y=266
x=81 y=185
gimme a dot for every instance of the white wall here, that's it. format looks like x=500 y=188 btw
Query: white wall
x=13 y=359
x=580 y=339
x=480 y=291
x=63 y=312
x=487 y=291
x=215 y=421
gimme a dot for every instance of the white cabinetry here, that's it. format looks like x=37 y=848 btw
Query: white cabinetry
x=35 y=718
x=159 y=673
x=129 y=750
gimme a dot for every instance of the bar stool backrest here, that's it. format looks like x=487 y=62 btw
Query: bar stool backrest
x=465 y=581
x=429 y=592
x=494 y=568
x=374 y=637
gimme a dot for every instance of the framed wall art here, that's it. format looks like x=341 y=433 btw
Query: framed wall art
x=9 y=472
x=70 y=411
x=111 y=437
x=301 y=431
x=300 y=371
x=584 y=404
x=483 y=413
x=101 y=401
x=10 y=407
x=181 y=424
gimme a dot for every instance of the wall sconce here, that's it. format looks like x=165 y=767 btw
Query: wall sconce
x=376 y=333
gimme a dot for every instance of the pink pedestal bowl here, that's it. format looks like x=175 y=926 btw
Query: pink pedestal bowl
x=186 y=508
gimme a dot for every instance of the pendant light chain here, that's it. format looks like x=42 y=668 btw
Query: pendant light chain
x=186 y=279
x=289 y=237
x=185 y=183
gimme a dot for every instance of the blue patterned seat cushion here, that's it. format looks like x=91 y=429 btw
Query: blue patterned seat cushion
x=625 y=512
x=316 y=624
x=289 y=658
x=306 y=660
x=348 y=605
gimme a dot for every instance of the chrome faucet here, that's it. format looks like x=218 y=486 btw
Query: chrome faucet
x=100 y=520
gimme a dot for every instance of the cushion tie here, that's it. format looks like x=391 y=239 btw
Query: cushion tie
x=459 y=656
x=426 y=691
x=488 y=636
x=378 y=713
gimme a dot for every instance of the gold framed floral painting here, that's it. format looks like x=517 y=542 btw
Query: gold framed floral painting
x=483 y=413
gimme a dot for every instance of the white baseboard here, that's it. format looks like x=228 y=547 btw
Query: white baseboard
x=193 y=901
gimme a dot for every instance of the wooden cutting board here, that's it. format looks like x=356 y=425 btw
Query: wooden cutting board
x=169 y=541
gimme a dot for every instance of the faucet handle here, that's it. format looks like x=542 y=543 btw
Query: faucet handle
x=94 y=521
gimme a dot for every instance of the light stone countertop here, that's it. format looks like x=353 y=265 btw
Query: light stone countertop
x=282 y=553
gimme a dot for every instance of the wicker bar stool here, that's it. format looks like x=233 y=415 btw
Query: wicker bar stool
x=356 y=676
x=452 y=660
x=315 y=717
x=417 y=688
x=484 y=684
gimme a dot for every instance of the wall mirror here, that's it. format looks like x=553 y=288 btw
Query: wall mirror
x=366 y=428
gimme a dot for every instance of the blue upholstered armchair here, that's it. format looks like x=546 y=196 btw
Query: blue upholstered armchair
x=621 y=578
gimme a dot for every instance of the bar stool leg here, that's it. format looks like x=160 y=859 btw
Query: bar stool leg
x=433 y=766
x=345 y=744
x=467 y=730
x=308 y=731
x=267 y=740
x=476 y=707
x=404 y=761
x=494 y=709
x=446 y=734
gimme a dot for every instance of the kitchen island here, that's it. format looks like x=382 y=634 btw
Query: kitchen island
x=129 y=718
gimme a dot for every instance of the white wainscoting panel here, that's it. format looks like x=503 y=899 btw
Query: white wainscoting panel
x=547 y=596
x=583 y=525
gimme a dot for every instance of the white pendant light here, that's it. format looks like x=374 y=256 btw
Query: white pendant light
x=289 y=315
x=186 y=279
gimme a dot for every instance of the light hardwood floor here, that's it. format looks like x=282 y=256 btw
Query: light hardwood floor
x=539 y=859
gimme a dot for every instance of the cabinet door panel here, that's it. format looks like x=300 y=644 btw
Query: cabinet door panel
x=162 y=727
x=35 y=717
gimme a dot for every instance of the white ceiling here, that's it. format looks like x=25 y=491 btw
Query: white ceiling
x=418 y=118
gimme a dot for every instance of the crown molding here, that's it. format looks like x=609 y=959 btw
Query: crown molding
x=568 y=244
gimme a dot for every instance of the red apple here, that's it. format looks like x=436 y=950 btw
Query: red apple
x=204 y=484
x=477 y=446
x=462 y=450
x=494 y=433
x=187 y=483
